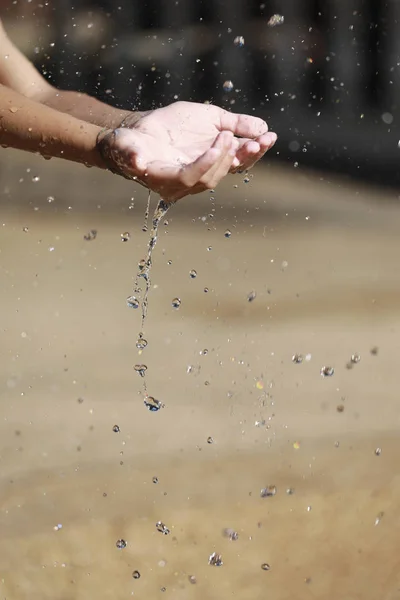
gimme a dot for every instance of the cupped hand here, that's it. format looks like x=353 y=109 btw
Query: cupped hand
x=186 y=148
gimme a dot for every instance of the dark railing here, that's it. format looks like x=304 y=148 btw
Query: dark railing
x=327 y=79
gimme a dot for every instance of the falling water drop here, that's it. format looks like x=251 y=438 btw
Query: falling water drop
x=176 y=302
x=141 y=342
x=327 y=371
x=141 y=369
x=227 y=85
x=162 y=528
x=276 y=20
x=268 y=491
x=239 y=41
x=132 y=302
x=215 y=560
x=152 y=404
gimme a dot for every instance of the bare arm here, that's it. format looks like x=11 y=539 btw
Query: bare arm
x=29 y=125
x=19 y=74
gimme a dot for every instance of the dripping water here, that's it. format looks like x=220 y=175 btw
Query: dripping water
x=144 y=270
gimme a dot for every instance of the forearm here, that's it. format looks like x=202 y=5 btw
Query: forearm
x=84 y=107
x=20 y=75
x=29 y=125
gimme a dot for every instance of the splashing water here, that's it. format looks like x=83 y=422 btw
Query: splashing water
x=146 y=214
x=145 y=264
x=144 y=269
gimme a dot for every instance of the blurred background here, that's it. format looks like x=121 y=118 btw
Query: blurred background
x=277 y=448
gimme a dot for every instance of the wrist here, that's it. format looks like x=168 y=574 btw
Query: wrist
x=114 y=156
x=132 y=118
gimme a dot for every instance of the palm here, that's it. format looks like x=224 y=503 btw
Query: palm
x=186 y=129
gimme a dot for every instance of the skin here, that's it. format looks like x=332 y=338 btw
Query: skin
x=178 y=150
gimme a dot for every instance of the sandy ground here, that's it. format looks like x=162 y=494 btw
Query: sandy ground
x=323 y=259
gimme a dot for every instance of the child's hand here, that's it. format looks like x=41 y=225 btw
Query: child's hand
x=185 y=148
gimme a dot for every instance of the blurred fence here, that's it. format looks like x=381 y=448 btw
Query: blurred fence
x=327 y=79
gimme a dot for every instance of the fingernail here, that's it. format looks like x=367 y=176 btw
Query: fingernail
x=235 y=163
x=273 y=137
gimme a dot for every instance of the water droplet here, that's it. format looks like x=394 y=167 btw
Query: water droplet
x=121 y=544
x=265 y=567
x=355 y=358
x=228 y=233
x=155 y=480
x=239 y=41
x=192 y=579
x=227 y=85
x=378 y=518
x=251 y=296
x=276 y=20
x=50 y=199
x=136 y=575
x=268 y=491
x=163 y=589
x=231 y=534
x=141 y=342
x=246 y=179
x=116 y=429
x=132 y=302
x=210 y=440
x=162 y=528
x=204 y=352
x=215 y=560
x=142 y=265
x=206 y=290
x=152 y=404
x=297 y=358
x=91 y=235
x=193 y=274
x=141 y=369
x=327 y=371
x=125 y=237
x=378 y=451
x=290 y=491
x=25 y=229
x=176 y=302
x=36 y=178
x=209 y=248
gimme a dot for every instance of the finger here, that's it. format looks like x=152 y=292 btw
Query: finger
x=242 y=125
x=253 y=150
x=228 y=145
x=224 y=166
x=174 y=182
x=219 y=170
x=192 y=173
